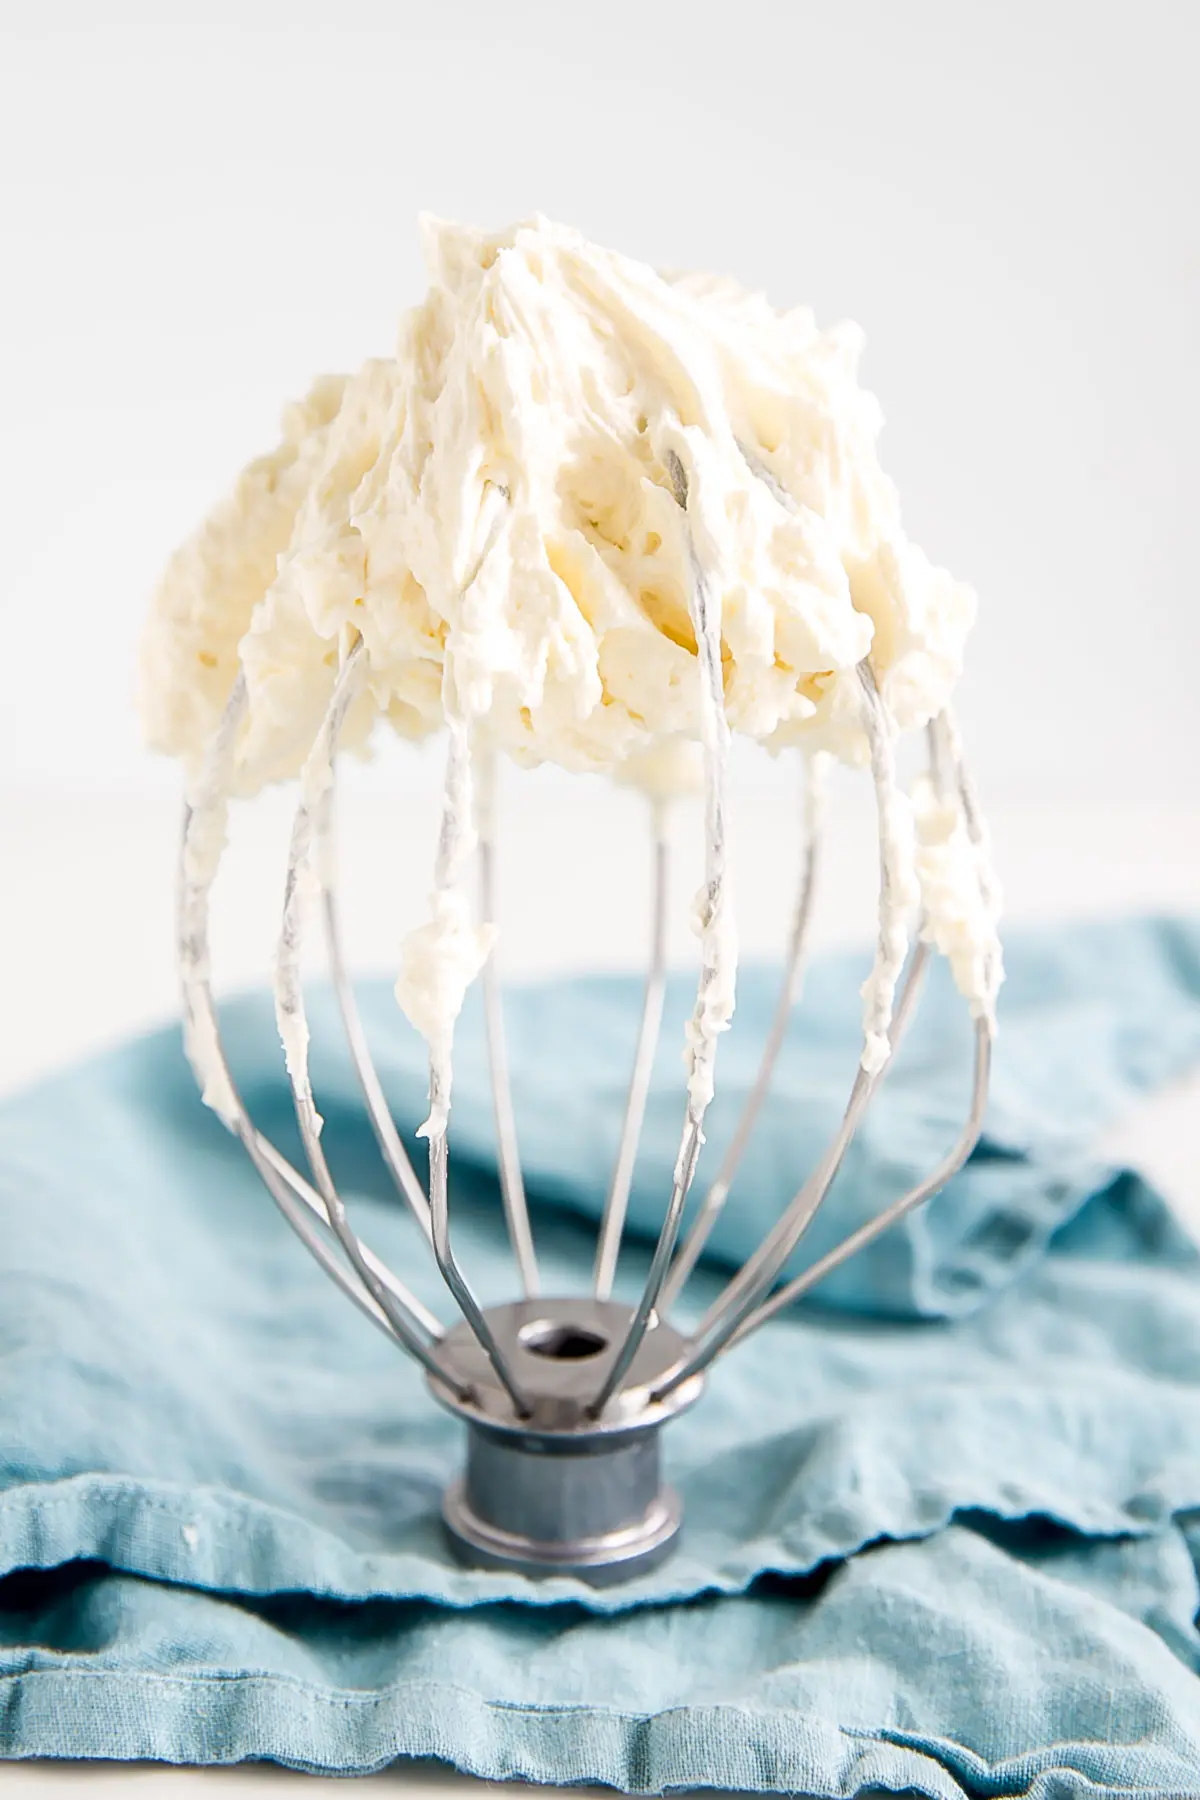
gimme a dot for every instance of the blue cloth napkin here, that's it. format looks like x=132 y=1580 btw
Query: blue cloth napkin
x=942 y=1522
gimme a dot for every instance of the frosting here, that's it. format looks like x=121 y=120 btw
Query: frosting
x=543 y=384
x=960 y=896
x=440 y=960
x=589 y=514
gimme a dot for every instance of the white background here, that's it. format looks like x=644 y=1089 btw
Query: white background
x=204 y=205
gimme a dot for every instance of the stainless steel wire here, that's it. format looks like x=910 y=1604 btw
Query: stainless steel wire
x=746 y=1301
x=754 y=1279
x=395 y=1157
x=744 y=1290
x=750 y=1317
x=302 y=876
x=512 y=1185
x=289 y=999
x=866 y=1233
x=704 y=607
x=757 y=1292
x=303 y=1190
x=714 y=1200
x=452 y=1275
x=402 y=1317
x=616 y=1205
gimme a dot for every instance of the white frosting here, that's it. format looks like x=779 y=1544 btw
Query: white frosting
x=205 y=835
x=960 y=896
x=560 y=375
x=815 y=802
x=898 y=889
x=519 y=511
x=669 y=770
x=712 y=910
x=307 y=871
x=441 y=959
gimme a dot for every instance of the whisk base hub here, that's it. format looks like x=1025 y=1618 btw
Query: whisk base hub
x=602 y=1560
x=560 y=1487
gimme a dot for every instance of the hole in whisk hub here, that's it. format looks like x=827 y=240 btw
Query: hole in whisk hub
x=561 y=1342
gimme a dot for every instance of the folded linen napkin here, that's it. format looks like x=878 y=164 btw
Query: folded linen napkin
x=940 y=1521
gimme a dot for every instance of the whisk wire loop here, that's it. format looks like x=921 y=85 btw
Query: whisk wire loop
x=562 y=1466
x=512 y=1185
x=616 y=1205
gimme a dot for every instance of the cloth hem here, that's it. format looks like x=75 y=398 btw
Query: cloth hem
x=161 y=1533
x=182 y=1720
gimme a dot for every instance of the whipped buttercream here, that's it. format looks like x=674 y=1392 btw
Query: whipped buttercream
x=546 y=381
x=587 y=514
x=960 y=896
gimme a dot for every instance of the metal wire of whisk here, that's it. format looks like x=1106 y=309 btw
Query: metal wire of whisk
x=563 y=1397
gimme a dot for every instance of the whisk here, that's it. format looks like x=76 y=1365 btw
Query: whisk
x=563 y=1396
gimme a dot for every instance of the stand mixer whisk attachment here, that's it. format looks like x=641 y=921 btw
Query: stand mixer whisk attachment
x=585 y=513
x=563 y=1396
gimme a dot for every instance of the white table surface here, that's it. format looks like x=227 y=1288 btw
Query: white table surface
x=85 y=922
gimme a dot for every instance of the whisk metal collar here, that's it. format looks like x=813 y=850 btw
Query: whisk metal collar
x=560 y=1491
